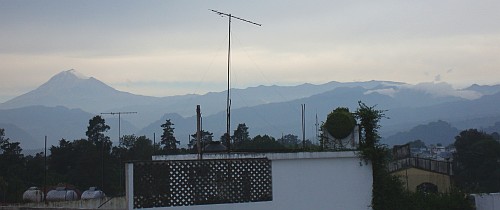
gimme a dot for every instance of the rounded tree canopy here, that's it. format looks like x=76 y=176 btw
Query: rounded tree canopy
x=340 y=123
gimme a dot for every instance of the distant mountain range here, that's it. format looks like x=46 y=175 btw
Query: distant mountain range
x=62 y=107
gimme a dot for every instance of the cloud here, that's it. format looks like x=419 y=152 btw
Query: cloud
x=386 y=91
x=444 y=89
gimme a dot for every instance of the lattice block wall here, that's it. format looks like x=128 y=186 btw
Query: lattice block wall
x=197 y=182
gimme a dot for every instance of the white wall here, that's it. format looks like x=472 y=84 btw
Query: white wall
x=487 y=201
x=301 y=181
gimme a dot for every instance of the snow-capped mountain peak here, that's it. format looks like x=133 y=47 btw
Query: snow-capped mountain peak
x=75 y=90
x=76 y=74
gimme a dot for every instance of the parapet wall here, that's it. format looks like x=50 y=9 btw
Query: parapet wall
x=307 y=180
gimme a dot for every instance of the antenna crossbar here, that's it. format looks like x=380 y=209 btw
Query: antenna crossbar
x=229 y=15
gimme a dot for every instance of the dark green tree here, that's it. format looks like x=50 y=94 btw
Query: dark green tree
x=136 y=148
x=289 y=141
x=95 y=130
x=206 y=138
x=35 y=169
x=87 y=162
x=387 y=191
x=167 y=138
x=477 y=162
x=262 y=143
x=12 y=170
x=100 y=148
x=62 y=159
x=340 y=123
x=240 y=135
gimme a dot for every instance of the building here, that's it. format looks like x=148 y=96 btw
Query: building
x=305 y=180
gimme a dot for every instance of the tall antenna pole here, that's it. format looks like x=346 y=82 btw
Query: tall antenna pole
x=317 y=128
x=228 y=100
x=119 y=141
x=119 y=120
x=303 y=106
x=45 y=173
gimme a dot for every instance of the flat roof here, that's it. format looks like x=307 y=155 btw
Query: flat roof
x=270 y=156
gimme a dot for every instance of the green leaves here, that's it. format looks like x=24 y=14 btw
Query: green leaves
x=477 y=162
x=340 y=123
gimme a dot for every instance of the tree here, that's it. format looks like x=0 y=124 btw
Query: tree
x=387 y=190
x=206 y=138
x=168 y=138
x=340 y=123
x=97 y=126
x=135 y=148
x=289 y=141
x=240 y=135
x=477 y=162
x=91 y=157
x=259 y=143
x=369 y=119
x=12 y=169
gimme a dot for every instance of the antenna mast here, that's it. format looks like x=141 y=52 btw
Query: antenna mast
x=119 y=120
x=119 y=141
x=228 y=100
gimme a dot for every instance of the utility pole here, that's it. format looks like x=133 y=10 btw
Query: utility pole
x=45 y=173
x=228 y=105
x=198 y=131
x=119 y=121
x=119 y=139
x=317 y=128
x=303 y=106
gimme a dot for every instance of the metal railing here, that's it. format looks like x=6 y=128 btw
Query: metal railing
x=437 y=166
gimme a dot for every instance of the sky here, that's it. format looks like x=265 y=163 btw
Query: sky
x=176 y=47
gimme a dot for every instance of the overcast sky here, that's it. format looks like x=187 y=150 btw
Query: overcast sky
x=169 y=47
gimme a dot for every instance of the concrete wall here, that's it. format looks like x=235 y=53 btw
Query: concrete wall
x=321 y=180
x=486 y=201
x=412 y=177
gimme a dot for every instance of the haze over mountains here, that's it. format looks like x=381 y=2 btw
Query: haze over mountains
x=62 y=107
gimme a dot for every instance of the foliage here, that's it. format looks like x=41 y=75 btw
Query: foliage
x=436 y=201
x=240 y=135
x=167 y=138
x=477 y=162
x=206 y=137
x=97 y=125
x=340 y=123
x=388 y=192
x=387 y=189
x=369 y=119
x=12 y=169
x=91 y=157
x=134 y=148
x=290 y=141
x=260 y=143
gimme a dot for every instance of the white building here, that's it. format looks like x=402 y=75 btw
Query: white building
x=288 y=181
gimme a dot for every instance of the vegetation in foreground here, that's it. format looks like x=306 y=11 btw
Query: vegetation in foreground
x=96 y=162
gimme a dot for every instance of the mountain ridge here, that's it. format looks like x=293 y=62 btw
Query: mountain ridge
x=269 y=110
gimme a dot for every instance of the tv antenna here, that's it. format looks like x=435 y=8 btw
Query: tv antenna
x=119 y=121
x=228 y=101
